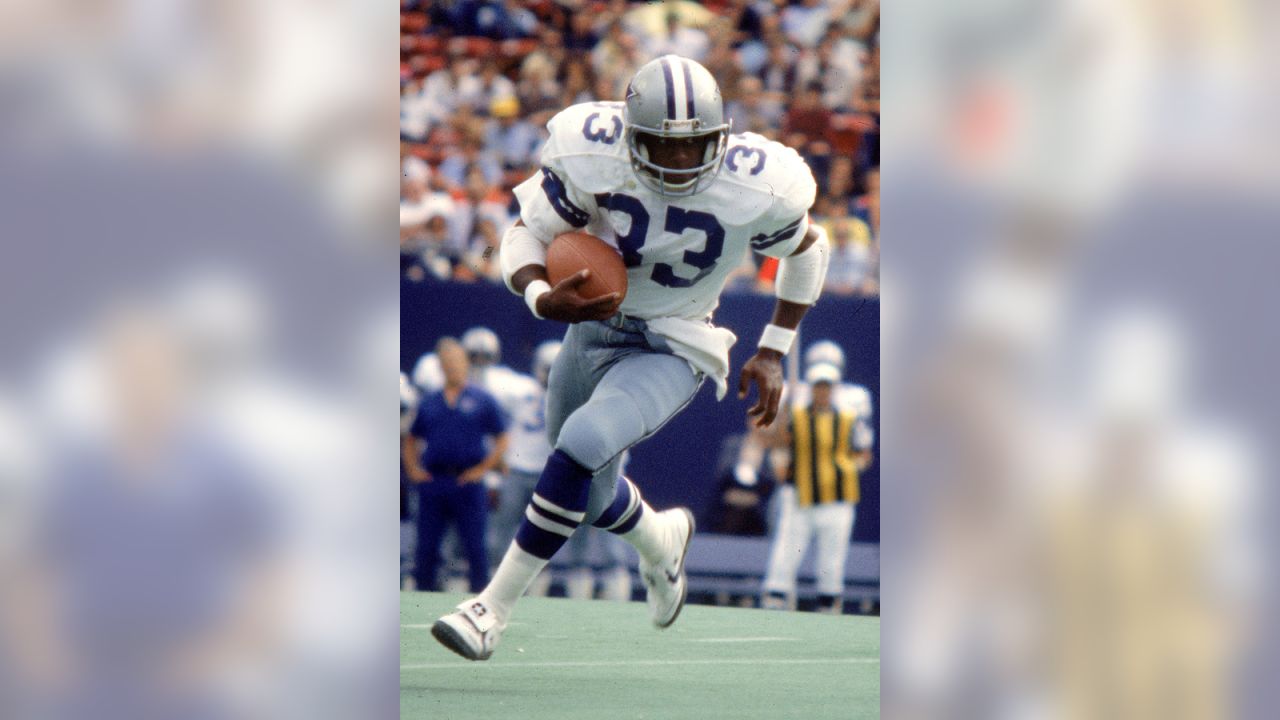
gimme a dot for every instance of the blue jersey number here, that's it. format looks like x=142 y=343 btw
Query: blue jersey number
x=677 y=221
x=535 y=416
x=595 y=134
x=738 y=154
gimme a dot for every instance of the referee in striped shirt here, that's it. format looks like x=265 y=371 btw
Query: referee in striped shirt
x=829 y=446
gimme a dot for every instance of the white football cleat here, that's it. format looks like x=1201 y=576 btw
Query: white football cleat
x=472 y=631
x=665 y=583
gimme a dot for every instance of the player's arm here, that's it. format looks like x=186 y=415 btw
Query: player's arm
x=524 y=265
x=409 y=455
x=800 y=276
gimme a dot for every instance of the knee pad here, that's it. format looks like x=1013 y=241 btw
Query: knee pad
x=599 y=431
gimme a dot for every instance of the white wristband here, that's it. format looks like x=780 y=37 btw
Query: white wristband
x=532 y=292
x=777 y=338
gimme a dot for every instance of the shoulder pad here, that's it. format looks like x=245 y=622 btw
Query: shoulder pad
x=766 y=177
x=586 y=142
x=855 y=398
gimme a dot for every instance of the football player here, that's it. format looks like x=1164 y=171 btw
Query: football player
x=660 y=176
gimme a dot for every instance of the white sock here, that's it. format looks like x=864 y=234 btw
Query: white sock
x=513 y=576
x=649 y=536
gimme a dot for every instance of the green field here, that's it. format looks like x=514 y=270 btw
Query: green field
x=571 y=660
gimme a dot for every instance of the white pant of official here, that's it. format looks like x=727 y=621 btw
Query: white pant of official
x=829 y=523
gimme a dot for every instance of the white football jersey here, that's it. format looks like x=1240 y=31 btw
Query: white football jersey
x=523 y=399
x=679 y=251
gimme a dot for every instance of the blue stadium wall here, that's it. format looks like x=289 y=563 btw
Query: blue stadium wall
x=678 y=464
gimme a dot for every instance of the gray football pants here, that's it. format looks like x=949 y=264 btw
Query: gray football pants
x=613 y=385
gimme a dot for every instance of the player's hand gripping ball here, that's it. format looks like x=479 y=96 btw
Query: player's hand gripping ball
x=573 y=252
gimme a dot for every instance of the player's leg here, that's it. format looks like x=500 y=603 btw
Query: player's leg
x=789 y=543
x=639 y=391
x=634 y=399
x=469 y=507
x=637 y=394
x=833 y=522
x=432 y=519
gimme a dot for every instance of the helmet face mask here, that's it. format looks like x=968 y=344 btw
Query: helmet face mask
x=674 y=105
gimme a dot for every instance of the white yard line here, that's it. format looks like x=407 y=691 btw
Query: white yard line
x=741 y=639
x=635 y=663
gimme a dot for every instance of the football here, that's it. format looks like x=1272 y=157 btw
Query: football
x=575 y=251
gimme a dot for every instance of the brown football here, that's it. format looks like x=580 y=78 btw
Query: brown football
x=574 y=251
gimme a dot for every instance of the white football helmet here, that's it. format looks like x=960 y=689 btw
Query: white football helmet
x=824 y=352
x=543 y=358
x=674 y=97
x=482 y=347
x=427 y=374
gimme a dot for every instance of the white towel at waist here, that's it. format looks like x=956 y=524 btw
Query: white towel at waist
x=704 y=346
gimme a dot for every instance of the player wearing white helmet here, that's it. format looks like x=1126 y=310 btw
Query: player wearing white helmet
x=824 y=351
x=659 y=176
x=847 y=396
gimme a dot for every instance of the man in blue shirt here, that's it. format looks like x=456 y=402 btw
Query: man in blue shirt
x=454 y=424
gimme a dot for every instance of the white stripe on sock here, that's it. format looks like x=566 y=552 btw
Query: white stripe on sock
x=631 y=506
x=549 y=525
x=545 y=504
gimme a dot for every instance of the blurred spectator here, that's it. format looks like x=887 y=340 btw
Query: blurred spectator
x=723 y=65
x=577 y=83
x=488 y=88
x=515 y=141
x=424 y=234
x=834 y=66
x=807 y=116
x=444 y=91
x=779 y=72
x=867 y=205
x=806 y=22
x=805 y=128
x=618 y=55
x=549 y=55
x=853 y=257
x=677 y=39
x=474 y=154
x=538 y=91
x=582 y=34
x=497 y=20
x=415 y=112
x=753 y=111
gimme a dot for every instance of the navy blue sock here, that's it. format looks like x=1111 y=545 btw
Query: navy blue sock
x=559 y=505
x=625 y=510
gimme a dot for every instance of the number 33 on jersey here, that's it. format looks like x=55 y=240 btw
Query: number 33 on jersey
x=679 y=251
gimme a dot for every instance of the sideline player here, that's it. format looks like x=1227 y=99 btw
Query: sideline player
x=684 y=201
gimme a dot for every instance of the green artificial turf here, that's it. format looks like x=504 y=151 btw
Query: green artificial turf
x=568 y=660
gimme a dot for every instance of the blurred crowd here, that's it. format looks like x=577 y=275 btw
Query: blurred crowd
x=480 y=79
